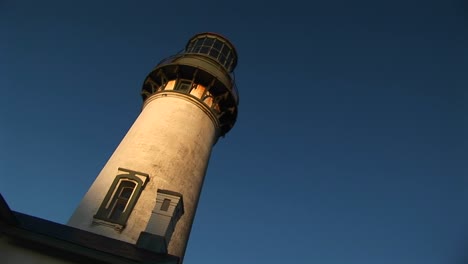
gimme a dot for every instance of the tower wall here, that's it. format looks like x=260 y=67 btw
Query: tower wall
x=170 y=141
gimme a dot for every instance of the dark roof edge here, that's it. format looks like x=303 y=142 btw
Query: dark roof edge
x=6 y=215
x=70 y=240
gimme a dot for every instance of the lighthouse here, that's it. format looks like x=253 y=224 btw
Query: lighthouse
x=147 y=192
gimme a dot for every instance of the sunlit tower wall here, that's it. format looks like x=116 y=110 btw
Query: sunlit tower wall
x=148 y=191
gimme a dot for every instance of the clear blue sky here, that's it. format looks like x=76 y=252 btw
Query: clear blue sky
x=350 y=146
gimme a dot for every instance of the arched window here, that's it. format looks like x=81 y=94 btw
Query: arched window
x=121 y=198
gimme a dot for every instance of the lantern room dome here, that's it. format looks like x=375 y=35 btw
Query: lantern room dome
x=214 y=46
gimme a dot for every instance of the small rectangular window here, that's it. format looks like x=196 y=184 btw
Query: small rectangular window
x=183 y=86
x=165 y=205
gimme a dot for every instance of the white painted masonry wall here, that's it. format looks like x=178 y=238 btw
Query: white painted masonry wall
x=12 y=254
x=171 y=140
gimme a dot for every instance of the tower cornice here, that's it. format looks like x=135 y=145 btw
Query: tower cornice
x=188 y=98
x=208 y=60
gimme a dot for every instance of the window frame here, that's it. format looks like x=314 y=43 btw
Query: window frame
x=108 y=204
x=183 y=86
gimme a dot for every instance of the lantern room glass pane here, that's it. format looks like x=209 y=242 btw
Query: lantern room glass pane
x=200 y=42
x=225 y=51
x=204 y=50
x=228 y=60
x=214 y=53
x=208 y=42
x=222 y=59
x=218 y=45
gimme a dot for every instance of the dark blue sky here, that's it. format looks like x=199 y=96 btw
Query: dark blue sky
x=350 y=146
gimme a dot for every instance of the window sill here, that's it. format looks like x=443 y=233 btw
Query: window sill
x=115 y=226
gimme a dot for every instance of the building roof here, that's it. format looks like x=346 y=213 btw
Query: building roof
x=72 y=244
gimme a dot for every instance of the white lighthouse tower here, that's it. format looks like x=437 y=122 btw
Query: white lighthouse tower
x=147 y=193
